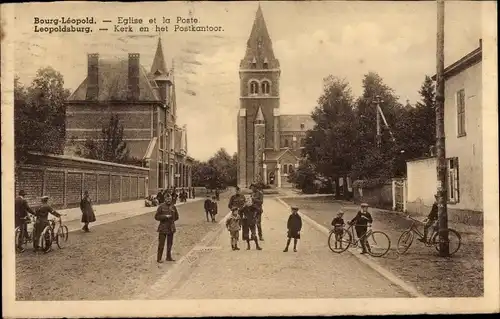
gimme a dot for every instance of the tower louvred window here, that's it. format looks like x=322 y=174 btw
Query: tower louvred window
x=265 y=87
x=266 y=64
x=254 y=63
x=254 y=87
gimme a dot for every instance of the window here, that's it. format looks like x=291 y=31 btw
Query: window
x=286 y=143
x=162 y=136
x=302 y=126
x=172 y=140
x=453 y=180
x=290 y=169
x=254 y=87
x=254 y=63
x=160 y=175
x=266 y=64
x=460 y=101
x=266 y=87
x=285 y=169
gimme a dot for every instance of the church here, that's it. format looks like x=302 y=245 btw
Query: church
x=269 y=143
x=146 y=105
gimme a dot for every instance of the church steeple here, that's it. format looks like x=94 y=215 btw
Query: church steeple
x=259 y=118
x=159 y=66
x=259 y=53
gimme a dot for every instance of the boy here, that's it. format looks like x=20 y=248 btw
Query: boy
x=207 y=206
x=248 y=216
x=294 y=226
x=213 y=209
x=431 y=219
x=361 y=221
x=338 y=228
x=233 y=225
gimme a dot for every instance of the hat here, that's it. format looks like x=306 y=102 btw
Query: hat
x=365 y=205
x=45 y=197
x=22 y=193
x=237 y=188
x=340 y=212
x=295 y=208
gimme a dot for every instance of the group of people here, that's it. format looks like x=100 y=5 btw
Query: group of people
x=211 y=208
x=23 y=212
x=182 y=194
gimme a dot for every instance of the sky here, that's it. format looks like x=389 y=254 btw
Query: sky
x=311 y=40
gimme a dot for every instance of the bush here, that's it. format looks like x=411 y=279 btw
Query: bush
x=370 y=183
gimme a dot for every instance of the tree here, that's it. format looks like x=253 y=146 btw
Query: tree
x=304 y=177
x=329 y=144
x=111 y=146
x=219 y=171
x=40 y=114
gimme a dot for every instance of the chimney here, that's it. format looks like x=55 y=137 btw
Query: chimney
x=480 y=43
x=133 y=76
x=93 y=77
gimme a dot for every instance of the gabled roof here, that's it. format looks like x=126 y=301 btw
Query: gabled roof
x=462 y=64
x=113 y=83
x=277 y=155
x=292 y=123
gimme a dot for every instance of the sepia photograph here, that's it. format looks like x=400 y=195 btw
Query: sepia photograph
x=249 y=158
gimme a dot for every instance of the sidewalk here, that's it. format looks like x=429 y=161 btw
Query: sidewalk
x=107 y=213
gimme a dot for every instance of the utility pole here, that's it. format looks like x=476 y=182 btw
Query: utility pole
x=444 y=247
x=379 y=130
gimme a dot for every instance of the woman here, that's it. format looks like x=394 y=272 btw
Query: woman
x=88 y=215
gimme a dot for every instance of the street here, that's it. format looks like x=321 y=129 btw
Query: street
x=117 y=261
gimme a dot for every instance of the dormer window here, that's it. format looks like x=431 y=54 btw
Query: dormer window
x=254 y=87
x=254 y=63
x=301 y=126
x=266 y=64
x=266 y=87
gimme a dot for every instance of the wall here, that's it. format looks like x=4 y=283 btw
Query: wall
x=422 y=183
x=64 y=178
x=379 y=196
x=467 y=148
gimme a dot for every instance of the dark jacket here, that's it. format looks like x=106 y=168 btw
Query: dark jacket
x=160 y=197
x=294 y=223
x=338 y=222
x=42 y=213
x=214 y=208
x=362 y=219
x=236 y=201
x=257 y=198
x=208 y=204
x=167 y=223
x=22 y=208
x=433 y=215
x=88 y=215
x=248 y=215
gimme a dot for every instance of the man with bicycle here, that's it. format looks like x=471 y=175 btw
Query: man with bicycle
x=42 y=221
x=361 y=221
x=431 y=219
x=22 y=209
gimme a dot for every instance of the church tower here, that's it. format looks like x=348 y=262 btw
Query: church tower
x=258 y=118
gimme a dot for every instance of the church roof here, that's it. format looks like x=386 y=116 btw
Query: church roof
x=159 y=66
x=276 y=155
x=259 y=45
x=259 y=117
x=293 y=123
x=113 y=83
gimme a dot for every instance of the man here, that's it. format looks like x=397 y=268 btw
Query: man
x=237 y=201
x=160 y=197
x=174 y=196
x=42 y=220
x=22 y=209
x=258 y=201
x=248 y=222
x=431 y=219
x=361 y=221
x=207 y=205
x=167 y=215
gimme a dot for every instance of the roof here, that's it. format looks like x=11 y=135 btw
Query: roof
x=113 y=83
x=276 y=155
x=464 y=63
x=292 y=123
x=259 y=117
x=159 y=65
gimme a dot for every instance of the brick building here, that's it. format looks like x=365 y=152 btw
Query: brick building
x=269 y=143
x=146 y=106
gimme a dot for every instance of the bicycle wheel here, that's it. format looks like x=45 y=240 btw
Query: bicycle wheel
x=62 y=236
x=454 y=239
x=405 y=241
x=339 y=246
x=377 y=244
x=46 y=240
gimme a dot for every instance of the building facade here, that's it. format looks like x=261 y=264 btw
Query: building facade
x=464 y=143
x=269 y=143
x=145 y=103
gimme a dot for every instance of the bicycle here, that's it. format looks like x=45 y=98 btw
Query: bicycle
x=62 y=234
x=406 y=238
x=23 y=236
x=377 y=242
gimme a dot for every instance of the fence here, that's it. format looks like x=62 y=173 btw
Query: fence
x=376 y=195
x=65 y=178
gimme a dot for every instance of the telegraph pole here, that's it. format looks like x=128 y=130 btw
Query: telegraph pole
x=379 y=130
x=444 y=247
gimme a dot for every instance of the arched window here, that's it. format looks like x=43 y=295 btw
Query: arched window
x=285 y=169
x=254 y=87
x=286 y=143
x=266 y=87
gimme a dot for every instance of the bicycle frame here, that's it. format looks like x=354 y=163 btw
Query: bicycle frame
x=413 y=228
x=357 y=241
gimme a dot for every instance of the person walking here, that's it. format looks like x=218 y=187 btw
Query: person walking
x=248 y=214
x=258 y=201
x=361 y=221
x=22 y=209
x=294 y=226
x=167 y=215
x=233 y=225
x=88 y=215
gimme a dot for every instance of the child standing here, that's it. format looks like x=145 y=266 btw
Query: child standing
x=338 y=228
x=294 y=226
x=233 y=225
x=213 y=209
x=207 y=206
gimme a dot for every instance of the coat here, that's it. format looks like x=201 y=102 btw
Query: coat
x=236 y=201
x=361 y=219
x=22 y=209
x=248 y=215
x=294 y=226
x=88 y=215
x=233 y=223
x=167 y=215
